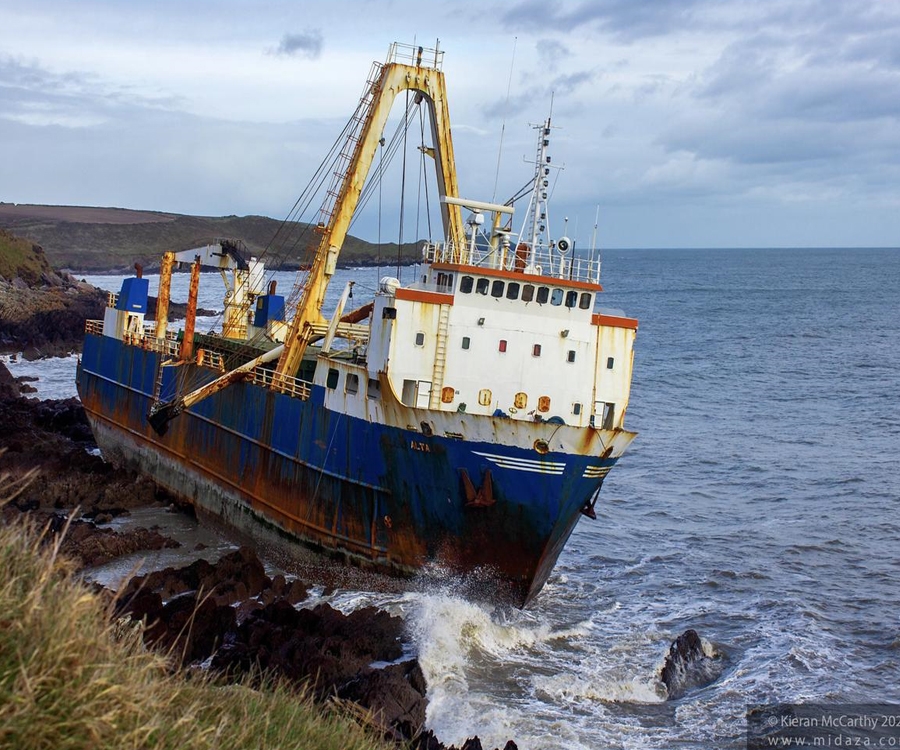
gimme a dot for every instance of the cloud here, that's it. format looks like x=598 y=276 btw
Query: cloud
x=307 y=44
x=632 y=19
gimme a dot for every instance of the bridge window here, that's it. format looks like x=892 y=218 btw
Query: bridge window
x=512 y=290
x=586 y=301
x=497 y=288
x=571 y=298
x=556 y=297
x=543 y=294
x=481 y=286
x=332 y=380
x=528 y=293
x=445 y=281
x=352 y=384
x=465 y=284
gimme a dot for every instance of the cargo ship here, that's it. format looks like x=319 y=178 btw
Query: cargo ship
x=461 y=422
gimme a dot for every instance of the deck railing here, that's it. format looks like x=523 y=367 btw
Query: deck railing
x=543 y=262
x=208 y=356
x=284 y=384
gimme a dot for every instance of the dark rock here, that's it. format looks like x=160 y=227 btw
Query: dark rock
x=426 y=741
x=321 y=644
x=9 y=386
x=687 y=665
x=53 y=436
x=395 y=695
x=92 y=546
x=188 y=629
x=50 y=278
x=297 y=592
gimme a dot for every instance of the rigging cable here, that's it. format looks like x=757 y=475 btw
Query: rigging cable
x=505 y=110
x=403 y=187
x=380 y=184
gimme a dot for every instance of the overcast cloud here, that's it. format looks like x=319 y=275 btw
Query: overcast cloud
x=690 y=123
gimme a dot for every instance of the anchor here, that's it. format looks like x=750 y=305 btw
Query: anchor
x=483 y=497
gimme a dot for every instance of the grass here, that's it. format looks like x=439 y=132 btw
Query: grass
x=71 y=679
x=18 y=257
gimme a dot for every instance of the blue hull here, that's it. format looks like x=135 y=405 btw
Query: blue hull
x=391 y=499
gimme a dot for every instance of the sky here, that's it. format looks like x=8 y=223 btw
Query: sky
x=677 y=123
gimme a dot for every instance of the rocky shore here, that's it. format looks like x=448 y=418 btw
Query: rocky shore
x=46 y=318
x=229 y=616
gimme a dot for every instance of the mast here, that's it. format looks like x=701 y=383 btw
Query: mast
x=536 y=219
x=387 y=81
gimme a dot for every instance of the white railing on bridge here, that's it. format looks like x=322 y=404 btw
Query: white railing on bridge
x=545 y=261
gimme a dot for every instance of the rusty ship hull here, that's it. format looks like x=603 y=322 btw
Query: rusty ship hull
x=291 y=471
x=461 y=422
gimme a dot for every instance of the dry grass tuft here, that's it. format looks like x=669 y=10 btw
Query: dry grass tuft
x=71 y=679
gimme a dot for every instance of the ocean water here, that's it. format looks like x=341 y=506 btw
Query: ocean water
x=760 y=505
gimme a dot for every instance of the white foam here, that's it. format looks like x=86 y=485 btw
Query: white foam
x=55 y=375
x=465 y=649
x=600 y=686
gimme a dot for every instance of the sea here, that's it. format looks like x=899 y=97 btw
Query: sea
x=759 y=506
